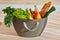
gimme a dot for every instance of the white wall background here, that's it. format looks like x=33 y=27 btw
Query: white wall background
x=26 y=6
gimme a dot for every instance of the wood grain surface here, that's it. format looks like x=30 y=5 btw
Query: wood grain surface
x=57 y=2
x=51 y=32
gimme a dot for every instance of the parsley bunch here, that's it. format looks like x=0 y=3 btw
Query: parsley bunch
x=9 y=17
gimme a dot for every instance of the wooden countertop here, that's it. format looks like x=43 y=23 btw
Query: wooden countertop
x=40 y=2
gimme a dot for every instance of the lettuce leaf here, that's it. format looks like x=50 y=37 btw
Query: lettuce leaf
x=21 y=14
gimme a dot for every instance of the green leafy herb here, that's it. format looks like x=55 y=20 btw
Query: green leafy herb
x=9 y=17
x=8 y=20
x=51 y=10
x=9 y=10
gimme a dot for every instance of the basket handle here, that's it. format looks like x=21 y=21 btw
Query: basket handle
x=33 y=29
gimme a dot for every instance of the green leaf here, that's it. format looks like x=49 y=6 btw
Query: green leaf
x=9 y=17
x=21 y=14
x=8 y=20
x=9 y=10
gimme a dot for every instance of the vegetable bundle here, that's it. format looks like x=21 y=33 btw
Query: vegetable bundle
x=27 y=14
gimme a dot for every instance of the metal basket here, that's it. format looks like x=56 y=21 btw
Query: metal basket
x=29 y=28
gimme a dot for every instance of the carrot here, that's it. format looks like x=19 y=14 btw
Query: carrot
x=45 y=9
x=36 y=14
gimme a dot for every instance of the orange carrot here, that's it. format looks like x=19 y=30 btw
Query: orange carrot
x=36 y=15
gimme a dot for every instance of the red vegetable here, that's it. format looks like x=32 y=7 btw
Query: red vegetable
x=36 y=14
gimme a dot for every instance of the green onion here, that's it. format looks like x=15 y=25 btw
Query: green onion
x=51 y=10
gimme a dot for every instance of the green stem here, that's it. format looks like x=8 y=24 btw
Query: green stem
x=51 y=10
